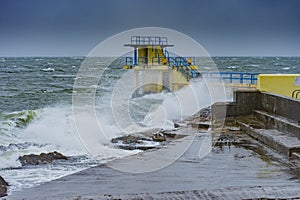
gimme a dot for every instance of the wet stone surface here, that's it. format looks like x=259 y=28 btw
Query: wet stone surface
x=3 y=187
x=146 y=140
x=43 y=158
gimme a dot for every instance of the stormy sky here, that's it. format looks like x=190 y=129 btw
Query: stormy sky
x=222 y=27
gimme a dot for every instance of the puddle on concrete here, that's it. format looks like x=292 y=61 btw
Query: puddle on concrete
x=262 y=162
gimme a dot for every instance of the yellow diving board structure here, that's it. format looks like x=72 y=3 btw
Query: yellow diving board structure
x=154 y=69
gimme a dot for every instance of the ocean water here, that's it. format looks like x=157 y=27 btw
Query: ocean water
x=36 y=111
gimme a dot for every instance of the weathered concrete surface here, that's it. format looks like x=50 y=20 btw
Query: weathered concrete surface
x=286 y=192
x=245 y=101
x=281 y=142
x=280 y=105
x=274 y=111
x=280 y=123
x=236 y=167
x=222 y=110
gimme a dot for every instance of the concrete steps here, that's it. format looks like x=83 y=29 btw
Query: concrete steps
x=279 y=133
x=278 y=122
x=284 y=143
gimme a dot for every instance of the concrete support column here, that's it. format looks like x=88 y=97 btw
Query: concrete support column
x=160 y=81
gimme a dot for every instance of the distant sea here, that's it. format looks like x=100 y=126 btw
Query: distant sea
x=36 y=114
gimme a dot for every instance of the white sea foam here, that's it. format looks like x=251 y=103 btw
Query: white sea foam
x=183 y=103
x=55 y=126
x=53 y=129
x=232 y=67
x=49 y=69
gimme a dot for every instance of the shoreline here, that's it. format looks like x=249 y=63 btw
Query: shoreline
x=247 y=170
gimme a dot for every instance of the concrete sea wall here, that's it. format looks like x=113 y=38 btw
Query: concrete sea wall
x=245 y=101
x=278 y=118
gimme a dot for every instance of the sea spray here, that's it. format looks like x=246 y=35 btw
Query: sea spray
x=55 y=127
x=52 y=129
x=183 y=103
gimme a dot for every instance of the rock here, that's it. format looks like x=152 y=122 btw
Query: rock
x=148 y=139
x=133 y=142
x=239 y=156
x=130 y=139
x=158 y=137
x=176 y=125
x=133 y=147
x=169 y=134
x=203 y=115
x=179 y=124
x=140 y=140
x=200 y=125
x=232 y=128
x=43 y=158
x=3 y=187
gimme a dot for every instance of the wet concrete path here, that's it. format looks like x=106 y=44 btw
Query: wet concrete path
x=236 y=161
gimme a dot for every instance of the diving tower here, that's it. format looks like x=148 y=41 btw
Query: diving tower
x=154 y=69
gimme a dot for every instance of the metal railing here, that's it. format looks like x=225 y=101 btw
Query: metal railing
x=178 y=63
x=129 y=61
x=232 y=77
x=149 y=40
x=158 y=59
x=181 y=65
x=295 y=93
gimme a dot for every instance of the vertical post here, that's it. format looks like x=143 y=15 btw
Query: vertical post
x=241 y=77
x=135 y=56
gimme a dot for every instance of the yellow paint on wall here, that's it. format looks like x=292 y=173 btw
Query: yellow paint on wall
x=283 y=84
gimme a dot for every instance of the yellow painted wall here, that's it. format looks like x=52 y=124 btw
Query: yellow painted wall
x=283 y=84
x=177 y=80
x=152 y=74
x=154 y=52
x=152 y=80
x=141 y=55
x=150 y=52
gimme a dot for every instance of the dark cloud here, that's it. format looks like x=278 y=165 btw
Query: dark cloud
x=74 y=27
